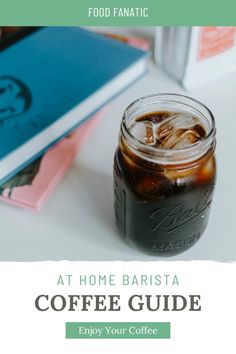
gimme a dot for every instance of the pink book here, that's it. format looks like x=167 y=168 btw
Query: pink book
x=31 y=187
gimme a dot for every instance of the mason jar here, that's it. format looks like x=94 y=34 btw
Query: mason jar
x=164 y=173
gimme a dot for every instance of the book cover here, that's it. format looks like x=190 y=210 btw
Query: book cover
x=50 y=82
x=32 y=186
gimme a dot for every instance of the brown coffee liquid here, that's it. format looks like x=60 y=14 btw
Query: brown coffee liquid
x=163 y=210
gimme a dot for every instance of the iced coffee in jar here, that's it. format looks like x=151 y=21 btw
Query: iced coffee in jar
x=164 y=173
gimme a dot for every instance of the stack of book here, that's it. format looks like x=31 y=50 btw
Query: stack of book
x=54 y=82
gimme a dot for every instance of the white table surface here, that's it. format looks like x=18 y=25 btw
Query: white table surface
x=77 y=223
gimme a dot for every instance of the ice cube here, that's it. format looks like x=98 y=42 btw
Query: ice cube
x=172 y=139
x=144 y=132
x=177 y=121
x=207 y=172
x=188 y=138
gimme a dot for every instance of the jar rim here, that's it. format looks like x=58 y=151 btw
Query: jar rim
x=185 y=154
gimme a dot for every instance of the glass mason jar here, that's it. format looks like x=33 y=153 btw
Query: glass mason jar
x=164 y=173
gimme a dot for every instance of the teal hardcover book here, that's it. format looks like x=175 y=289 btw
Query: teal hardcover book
x=51 y=81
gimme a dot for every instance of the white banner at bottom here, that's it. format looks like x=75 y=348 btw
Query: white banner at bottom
x=117 y=307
